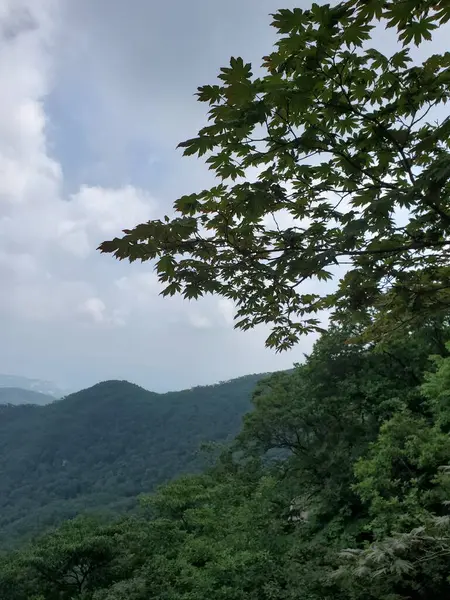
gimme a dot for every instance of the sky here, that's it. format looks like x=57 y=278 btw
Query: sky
x=96 y=94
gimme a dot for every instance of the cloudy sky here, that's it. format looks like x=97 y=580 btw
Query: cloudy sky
x=96 y=94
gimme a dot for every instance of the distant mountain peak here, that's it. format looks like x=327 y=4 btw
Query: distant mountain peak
x=116 y=384
x=34 y=385
x=103 y=446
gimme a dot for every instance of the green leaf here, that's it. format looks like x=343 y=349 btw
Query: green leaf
x=348 y=137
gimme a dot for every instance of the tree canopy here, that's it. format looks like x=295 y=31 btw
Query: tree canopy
x=343 y=140
x=98 y=449
x=336 y=488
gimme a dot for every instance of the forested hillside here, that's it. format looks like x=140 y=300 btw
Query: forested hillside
x=101 y=447
x=364 y=434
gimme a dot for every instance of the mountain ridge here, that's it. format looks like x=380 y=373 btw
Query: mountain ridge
x=34 y=385
x=17 y=396
x=103 y=446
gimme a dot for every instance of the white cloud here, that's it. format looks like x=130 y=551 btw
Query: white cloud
x=139 y=286
x=111 y=210
x=45 y=300
x=199 y=321
x=96 y=312
x=94 y=308
x=96 y=213
x=21 y=266
x=37 y=223
x=226 y=310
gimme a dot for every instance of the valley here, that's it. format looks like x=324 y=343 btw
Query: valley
x=99 y=448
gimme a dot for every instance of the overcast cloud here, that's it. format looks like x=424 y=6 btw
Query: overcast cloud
x=95 y=96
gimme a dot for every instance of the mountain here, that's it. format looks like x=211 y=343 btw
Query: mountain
x=103 y=446
x=33 y=385
x=15 y=395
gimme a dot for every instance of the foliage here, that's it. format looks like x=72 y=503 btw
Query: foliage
x=418 y=556
x=71 y=562
x=337 y=486
x=100 y=448
x=405 y=481
x=325 y=414
x=342 y=142
x=330 y=491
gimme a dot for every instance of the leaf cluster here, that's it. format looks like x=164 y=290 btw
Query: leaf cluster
x=341 y=139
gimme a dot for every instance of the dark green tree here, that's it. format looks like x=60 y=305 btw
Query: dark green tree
x=71 y=562
x=404 y=480
x=323 y=415
x=341 y=138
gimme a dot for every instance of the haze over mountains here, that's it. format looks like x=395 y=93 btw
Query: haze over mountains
x=33 y=385
x=101 y=447
x=17 y=396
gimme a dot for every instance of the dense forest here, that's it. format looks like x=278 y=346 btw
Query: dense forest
x=100 y=448
x=354 y=506
x=337 y=486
